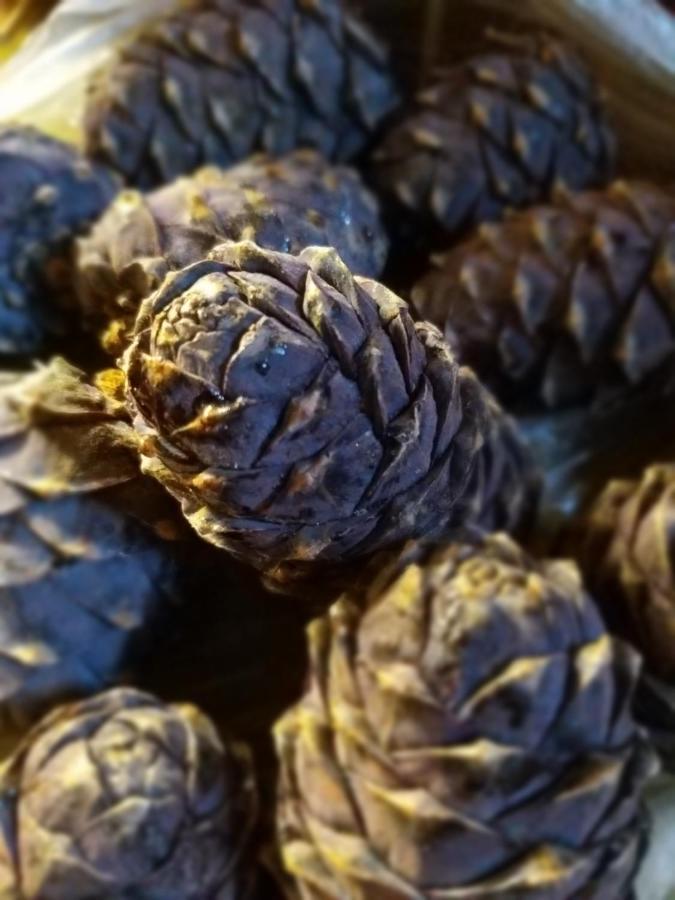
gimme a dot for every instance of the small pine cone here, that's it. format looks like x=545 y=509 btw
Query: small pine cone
x=300 y=414
x=50 y=194
x=81 y=578
x=561 y=301
x=288 y=204
x=501 y=130
x=627 y=551
x=125 y=796
x=466 y=732
x=220 y=79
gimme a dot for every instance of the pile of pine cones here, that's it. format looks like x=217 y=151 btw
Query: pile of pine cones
x=279 y=346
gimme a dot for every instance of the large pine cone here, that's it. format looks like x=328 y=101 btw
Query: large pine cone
x=560 y=301
x=125 y=796
x=498 y=131
x=289 y=204
x=50 y=194
x=222 y=78
x=466 y=733
x=80 y=578
x=627 y=552
x=301 y=416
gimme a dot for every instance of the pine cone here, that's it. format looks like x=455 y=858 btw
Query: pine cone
x=301 y=416
x=505 y=485
x=298 y=201
x=125 y=796
x=80 y=579
x=627 y=552
x=561 y=301
x=500 y=130
x=50 y=195
x=220 y=79
x=466 y=734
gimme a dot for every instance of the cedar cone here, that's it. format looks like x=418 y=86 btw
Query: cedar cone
x=466 y=732
x=500 y=130
x=289 y=204
x=220 y=79
x=124 y=796
x=301 y=416
x=50 y=194
x=560 y=301
x=627 y=552
x=81 y=578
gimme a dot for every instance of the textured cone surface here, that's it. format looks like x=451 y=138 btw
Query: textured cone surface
x=501 y=130
x=125 y=796
x=80 y=578
x=224 y=78
x=466 y=733
x=289 y=204
x=300 y=414
x=506 y=482
x=627 y=550
x=560 y=301
x=50 y=194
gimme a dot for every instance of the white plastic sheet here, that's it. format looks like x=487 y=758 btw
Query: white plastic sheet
x=657 y=877
x=44 y=83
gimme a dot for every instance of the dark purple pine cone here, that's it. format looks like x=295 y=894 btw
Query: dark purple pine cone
x=123 y=796
x=217 y=80
x=561 y=302
x=288 y=204
x=500 y=130
x=81 y=576
x=301 y=416
x=50 y=193
x=466 y=732
x=625 y=544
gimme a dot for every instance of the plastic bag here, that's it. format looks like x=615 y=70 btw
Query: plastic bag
x=44 y=82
